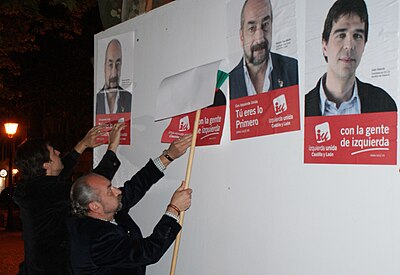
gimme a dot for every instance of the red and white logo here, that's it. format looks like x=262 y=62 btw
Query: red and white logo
x=322 y=132
x=280 y=105
x=184 y=124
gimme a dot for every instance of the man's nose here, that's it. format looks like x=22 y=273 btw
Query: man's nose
x=259 y=34
x=116 y=191
x=349 y=43
x=57 y=152
x=114 y=71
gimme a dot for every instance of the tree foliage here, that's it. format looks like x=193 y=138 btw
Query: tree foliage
x=46 y=75
x=21 y=22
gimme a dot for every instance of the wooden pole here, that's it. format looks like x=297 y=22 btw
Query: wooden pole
x=187 y=179
x=149 y=5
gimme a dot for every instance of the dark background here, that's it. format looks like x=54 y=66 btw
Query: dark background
x=46 y=64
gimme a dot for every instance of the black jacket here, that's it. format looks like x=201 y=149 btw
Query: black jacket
x=373 y=99
x=123 y=104
x=101 y=247
x=284 y=74
x=44 y=204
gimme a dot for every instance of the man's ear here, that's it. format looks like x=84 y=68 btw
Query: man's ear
x=46 y=166
x=324 y=49
x=94 y=206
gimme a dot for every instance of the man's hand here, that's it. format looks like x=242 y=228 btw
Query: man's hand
x=114 y=136
x=89 y=141
x=176 y=149
x=182 y=199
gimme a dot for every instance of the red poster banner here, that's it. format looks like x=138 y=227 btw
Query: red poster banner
x=110 y=120
x=211 y=124
x=351 y=139
x=268 y=113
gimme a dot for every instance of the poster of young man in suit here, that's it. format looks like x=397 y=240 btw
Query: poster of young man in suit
x=114 y=86
x=351 y=82
x=263 y=81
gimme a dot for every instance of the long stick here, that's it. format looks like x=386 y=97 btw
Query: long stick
x=187 y=179
x=149 y=5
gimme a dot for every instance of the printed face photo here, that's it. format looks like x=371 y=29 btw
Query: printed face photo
x=256 y=32
x=345 y=46
x=112 y=65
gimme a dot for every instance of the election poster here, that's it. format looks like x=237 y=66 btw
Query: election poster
x=263 y=81
x=351 y=82
x=211 y=122
x=114 y=85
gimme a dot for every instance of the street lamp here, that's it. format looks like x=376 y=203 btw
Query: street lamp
x=11 y=129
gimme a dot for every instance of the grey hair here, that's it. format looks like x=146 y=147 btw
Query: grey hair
x=82 y=194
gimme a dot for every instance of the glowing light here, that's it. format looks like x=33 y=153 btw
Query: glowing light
x=11 y=129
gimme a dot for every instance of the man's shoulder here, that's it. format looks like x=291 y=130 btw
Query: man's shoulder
x=125 y=95
x=312 y=100
x=87 y=227
x=238 y=68
x=276 y=57
x=374 y=99
x=101 y=91
x=369 y=86
x=369 y=90
x=314 y=91
x=36 y=188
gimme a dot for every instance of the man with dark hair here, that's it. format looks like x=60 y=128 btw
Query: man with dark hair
x=112 y=98
x=339 y=92
x=104 y=238
x=260 y=70
x=43 y=198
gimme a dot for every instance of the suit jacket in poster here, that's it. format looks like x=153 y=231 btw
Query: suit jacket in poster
x=101 y=247
x=373 y=99
x=123 y=104
x=284 y=74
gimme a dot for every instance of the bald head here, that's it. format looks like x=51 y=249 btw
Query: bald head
x=83 y=192
x=256 y=31
x=253 y=5
x=113 y=64
x=93 y=195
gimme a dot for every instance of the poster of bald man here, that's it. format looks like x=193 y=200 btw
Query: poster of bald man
x=114 y=85
x=263 y=80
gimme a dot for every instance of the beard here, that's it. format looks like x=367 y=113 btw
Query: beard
x=257 y=47
x=112 y=83
x=119 y=203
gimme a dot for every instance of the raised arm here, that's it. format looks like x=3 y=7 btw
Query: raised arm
x=109 y=164
x=112 y=249
x=88 y=141
x=140 y=183
x=176 y=149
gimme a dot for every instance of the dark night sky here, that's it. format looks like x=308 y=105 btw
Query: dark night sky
x=56 y=86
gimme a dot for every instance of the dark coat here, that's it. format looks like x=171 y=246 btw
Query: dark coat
x=284 y=74
x=373 y=99
x=100 y=247
x=123 y=105
x=44 y=204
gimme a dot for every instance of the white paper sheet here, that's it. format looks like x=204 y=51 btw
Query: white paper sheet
x=187 y=91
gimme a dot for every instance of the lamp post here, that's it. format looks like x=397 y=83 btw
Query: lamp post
x=11 y=129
